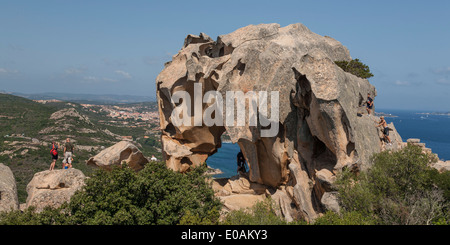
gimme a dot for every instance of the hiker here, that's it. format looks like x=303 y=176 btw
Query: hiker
x=153 y=159
x=385 y=129
x=68 y=153
x=241 y=162
x=54 y=153
x=369 y=104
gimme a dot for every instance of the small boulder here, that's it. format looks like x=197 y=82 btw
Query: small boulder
x=53 y=188
x=441 y=166
x=240 y=201
x=330 y=201
x=413 y=141
x=115 y=155
x=8 y=189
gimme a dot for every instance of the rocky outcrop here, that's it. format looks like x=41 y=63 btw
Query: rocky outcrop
x=116 y=155
x=238 y=192
x=436 y=163
x=69 y=112
x=319 y=128
x=441 y=166
x=53 y=188
x=8 y=189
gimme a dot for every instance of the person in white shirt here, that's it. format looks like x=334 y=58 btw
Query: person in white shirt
x=153 y=159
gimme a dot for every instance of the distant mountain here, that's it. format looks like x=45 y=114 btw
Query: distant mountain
x=89 y=98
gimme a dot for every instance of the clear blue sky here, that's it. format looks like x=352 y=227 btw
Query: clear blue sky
x=119 y=47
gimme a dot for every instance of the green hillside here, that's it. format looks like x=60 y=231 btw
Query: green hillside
x=27 y=129
x=22 y=116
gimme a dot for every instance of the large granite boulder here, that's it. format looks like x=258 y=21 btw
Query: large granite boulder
x=318 y=129
x=116 y=155
x=53 y=188
x=8 y=190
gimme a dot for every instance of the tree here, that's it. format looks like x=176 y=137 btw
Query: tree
x=355 y=67
x=155 y=195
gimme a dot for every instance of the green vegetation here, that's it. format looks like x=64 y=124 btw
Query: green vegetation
x=400 y=188
x=155 y=195
x=345 y=218
x=355 y=67
x=262 y=213
x=26 y=133
x=22 y=116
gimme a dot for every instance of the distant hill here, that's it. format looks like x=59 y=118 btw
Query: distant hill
x=89 y=98
x=27 y=129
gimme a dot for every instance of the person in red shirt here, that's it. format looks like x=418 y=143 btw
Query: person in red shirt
x=54 y=154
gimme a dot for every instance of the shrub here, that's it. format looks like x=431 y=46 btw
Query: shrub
x=262 y=213
x=355 y=67
x=399 y=188
x=345 y=218
x=155 y=195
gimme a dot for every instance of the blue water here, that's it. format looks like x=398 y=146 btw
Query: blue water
x=225 y=160
x=433 y=130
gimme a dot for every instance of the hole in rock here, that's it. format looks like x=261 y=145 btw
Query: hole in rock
x=322 y=157
x=125 y=154
x=350 y=148
x=186 y=160
x=240 y=67
x=225 y=159
x=170 y=129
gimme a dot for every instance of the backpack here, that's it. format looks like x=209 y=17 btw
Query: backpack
x=53 y=151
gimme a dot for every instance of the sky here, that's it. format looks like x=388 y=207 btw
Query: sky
x=119 y=47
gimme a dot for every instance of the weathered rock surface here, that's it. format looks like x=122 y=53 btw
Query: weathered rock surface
x=242 y=201
x=321 y=128
x=441 y=166
x=53 y=188
x=331 y=202
x=115 y=155
x=68 y=112
x=8 y=189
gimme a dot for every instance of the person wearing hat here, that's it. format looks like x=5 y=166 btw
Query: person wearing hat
x=385 y=129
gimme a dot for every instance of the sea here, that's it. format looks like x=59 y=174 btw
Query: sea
x=431 y=129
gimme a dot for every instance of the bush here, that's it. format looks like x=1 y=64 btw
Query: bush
x=155 y=195
x=48 y=216
x=262 y=213
x=345 y=218
x=399 y=188
x=355 y=67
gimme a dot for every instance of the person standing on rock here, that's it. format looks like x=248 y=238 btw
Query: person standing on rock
x=68 y=154
x=385 y=129
x=54 y=153
x=369 y=104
